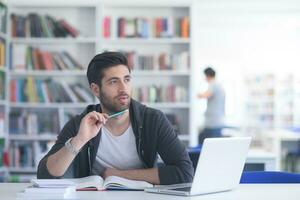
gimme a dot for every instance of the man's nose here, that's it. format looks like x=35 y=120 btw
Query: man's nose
x=122 y=86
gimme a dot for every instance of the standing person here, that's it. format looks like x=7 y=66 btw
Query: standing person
x=126 y=145
x=215 y=111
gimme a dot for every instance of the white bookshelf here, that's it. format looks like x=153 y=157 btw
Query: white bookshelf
x=3 y=100
x=274 y=96
x=154 y=45
x=83 y=16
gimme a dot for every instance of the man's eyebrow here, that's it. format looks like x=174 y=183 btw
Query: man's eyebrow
x=112 y=78
x=117 y=78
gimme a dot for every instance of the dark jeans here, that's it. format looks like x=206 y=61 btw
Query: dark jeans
x=209 y=133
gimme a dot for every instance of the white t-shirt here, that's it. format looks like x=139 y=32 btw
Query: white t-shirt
x=117 y=152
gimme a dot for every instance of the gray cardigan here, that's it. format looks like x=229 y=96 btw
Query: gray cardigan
x=154 y=135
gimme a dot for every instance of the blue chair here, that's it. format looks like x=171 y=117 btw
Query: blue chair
x=194 y=153
x=269 y=177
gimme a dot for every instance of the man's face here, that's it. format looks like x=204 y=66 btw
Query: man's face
x=115 y=90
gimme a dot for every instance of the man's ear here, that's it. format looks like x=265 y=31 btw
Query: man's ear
x=95 y=89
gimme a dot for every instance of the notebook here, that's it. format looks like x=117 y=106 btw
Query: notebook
x=219 y=168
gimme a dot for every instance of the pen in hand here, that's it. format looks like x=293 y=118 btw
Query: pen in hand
x=117 y=114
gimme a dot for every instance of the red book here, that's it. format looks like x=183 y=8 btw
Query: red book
x=13 y=90
x=35 y=59
x=47 y=60
x=121 y=27
x=106 y=27
x=71 y=30
x=185 y=27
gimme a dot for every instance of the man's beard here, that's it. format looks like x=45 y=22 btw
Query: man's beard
x=110 y=106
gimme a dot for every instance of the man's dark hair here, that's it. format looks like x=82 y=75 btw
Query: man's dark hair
x=103 y=61
x=209 y=72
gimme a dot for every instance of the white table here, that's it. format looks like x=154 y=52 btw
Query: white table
x=8 y=191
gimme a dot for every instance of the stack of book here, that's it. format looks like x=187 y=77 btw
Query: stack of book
x=48 y=192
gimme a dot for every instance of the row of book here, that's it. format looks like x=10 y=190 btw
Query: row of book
x=2 y=117
x=162 y=61
x=154 y=94
x=26 y=154
x=26 y=57
x=2 y=145
x=48 y=91
x=21 y=154
x=33 y=122
x=35 y=25
x=3 y=14
x=2 y=85
x=141 y=27
x=2 y=52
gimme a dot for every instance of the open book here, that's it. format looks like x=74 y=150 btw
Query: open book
x=94 y=183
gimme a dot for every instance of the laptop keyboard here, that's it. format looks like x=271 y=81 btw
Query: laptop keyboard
x=185 y=189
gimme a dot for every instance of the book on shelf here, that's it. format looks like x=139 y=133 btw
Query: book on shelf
x=21 y=154
x=141 y=27
x=94 y=182
x=161 y=61
x=154 y=94
x=2 y=145
x=3 y=13
x=25 y=57
x=33 y=122
x=41 y=91
x=25 y=155
x=2 y=85
x=35 y=25
x=2 y=52
x=2 y=130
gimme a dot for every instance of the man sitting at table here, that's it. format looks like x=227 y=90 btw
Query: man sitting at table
x=126 y=145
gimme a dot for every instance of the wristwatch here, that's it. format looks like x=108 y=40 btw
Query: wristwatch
x=71 y=148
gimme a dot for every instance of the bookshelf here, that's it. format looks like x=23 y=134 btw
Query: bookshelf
x=273 y=101
x=152 y=35
x=3 y=90
x=35 y=122
x=170 y=70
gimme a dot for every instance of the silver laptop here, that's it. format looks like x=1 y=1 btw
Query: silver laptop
x=219 y=168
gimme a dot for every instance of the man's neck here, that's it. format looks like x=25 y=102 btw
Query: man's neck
x=118 y=125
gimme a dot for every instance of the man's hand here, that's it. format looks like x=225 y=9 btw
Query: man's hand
x=90 y=125
x=206 y=95
x=111 y=172
x=149 y=175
